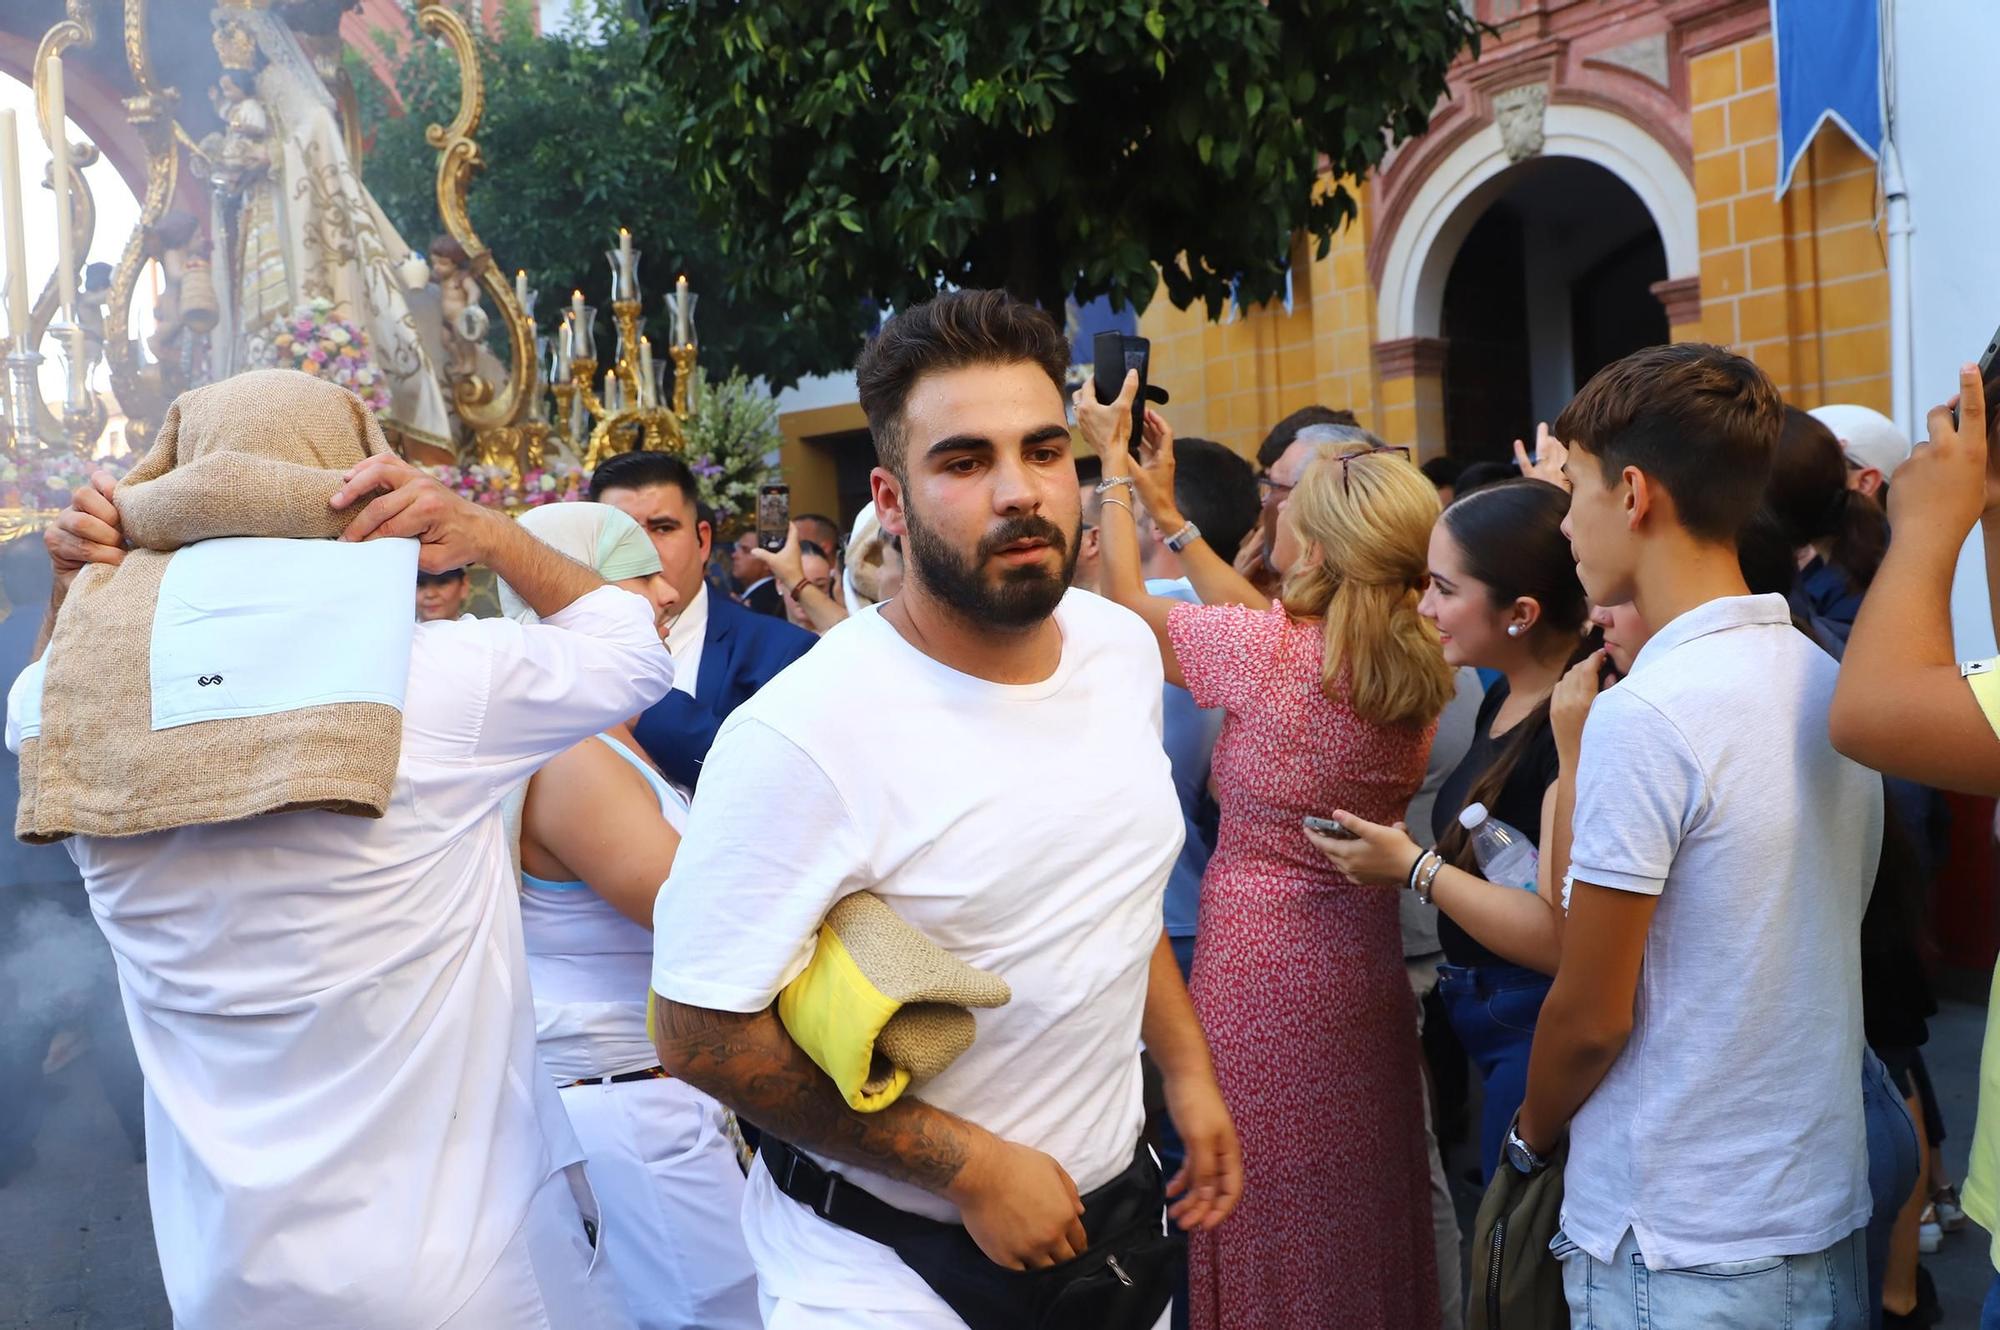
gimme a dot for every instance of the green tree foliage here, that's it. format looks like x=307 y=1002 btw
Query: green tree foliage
x=579 y=139
x=855 y=150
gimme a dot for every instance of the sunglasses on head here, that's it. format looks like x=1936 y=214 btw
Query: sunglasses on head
x=1401 y=450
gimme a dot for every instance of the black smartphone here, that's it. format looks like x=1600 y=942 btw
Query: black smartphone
x=1326 y=826
x=1986 y=360
x=774 y=516
x=1117 y=354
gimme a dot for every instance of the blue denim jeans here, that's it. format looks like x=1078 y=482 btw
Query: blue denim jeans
x=1824 y=1290
x=1989 y=1315
x=1493 y=1010
x=1892 y=1169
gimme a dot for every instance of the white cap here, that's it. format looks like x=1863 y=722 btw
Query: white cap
x=1869 y=438
x=1472 y=817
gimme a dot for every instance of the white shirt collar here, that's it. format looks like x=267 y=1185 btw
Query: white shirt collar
x=691 y=628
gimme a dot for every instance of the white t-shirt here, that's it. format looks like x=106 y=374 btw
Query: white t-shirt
x=1730 y=1128
x=1026 y=829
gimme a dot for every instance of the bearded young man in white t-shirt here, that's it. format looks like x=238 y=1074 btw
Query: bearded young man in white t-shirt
x=990 y=766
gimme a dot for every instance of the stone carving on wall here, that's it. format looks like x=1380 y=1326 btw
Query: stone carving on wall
x=1518 y=113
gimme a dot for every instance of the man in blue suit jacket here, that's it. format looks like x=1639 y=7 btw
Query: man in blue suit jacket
x=722 y=652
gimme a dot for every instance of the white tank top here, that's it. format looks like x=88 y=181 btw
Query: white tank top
x=590 y=965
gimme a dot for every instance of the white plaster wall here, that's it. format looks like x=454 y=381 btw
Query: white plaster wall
x=1946 y=54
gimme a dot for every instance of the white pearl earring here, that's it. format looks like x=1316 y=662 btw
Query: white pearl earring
x=1513 y=630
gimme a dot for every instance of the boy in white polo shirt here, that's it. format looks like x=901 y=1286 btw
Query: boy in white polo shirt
x=1702 y=1041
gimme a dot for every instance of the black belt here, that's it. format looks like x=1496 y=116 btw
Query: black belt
x=649 y=1074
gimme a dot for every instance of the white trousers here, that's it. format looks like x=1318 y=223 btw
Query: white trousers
x=544 y=1279
x=666 y=1179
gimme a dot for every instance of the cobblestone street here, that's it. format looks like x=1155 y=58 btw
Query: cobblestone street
x=76 y=1245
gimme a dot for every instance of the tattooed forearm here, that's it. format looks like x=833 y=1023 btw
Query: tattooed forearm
x=750 y=1063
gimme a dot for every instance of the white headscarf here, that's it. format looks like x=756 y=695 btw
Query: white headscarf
x=596 y=535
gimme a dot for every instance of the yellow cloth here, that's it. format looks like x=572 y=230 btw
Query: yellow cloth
x=880 y=1007
x=1982 y=1181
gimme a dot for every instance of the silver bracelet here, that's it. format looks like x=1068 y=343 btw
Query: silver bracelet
x=1109 y=483
x=1117 y=502
x=1430 y=878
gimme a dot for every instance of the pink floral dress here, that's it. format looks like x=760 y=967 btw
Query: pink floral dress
x=1299 y=983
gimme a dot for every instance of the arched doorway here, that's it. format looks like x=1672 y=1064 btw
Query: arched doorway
x=1552 y=282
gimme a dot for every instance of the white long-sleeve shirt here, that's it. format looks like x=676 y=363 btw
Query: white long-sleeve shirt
x=345 y=1119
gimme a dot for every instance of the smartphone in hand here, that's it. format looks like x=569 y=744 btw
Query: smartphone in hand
x=1986 y=360
x=1326 y=826
x=774 y=516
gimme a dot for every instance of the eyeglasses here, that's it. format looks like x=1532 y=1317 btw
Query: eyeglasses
x=1269 y=489
x=1401 y=450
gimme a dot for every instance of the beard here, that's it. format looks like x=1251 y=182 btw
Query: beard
x=1021 y=598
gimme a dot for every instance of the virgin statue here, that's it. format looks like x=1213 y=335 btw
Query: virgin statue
x=304 y=226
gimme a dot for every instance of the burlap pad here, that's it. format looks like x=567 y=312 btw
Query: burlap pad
x=256 y=455
x=933 y=1026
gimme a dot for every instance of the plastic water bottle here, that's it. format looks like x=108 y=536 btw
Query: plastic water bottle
x=1505 y=855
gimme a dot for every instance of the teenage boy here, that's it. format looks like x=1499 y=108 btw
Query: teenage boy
x=1702 y=1041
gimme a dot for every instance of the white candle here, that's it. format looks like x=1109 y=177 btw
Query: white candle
x=683 y=312
x=65 y=237
x=521 y=287
x=563 y=353
x=17 y=225
x=576 y=310
x=646 y=395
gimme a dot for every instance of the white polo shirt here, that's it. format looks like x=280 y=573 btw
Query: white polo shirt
x=1730 y=1128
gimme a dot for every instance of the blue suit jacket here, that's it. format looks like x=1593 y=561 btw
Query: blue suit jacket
x=740 y=653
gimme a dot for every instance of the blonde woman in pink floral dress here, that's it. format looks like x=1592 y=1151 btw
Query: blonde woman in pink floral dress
x=1329 y=698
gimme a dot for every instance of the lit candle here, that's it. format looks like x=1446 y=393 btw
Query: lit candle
x=683 y=312
x=17 y=226
x=625 y=259
x=576 y=310
x=521 y=287
x=563 y=355
x=646 y=397
x=65 y=237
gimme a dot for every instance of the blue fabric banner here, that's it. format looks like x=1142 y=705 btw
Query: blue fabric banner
x=1829 y=68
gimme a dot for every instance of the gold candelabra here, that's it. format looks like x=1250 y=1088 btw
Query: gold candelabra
x=626 y=414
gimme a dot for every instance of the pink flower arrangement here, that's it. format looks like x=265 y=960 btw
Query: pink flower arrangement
x=313 y=340
x=489 y=486
x=46 y=483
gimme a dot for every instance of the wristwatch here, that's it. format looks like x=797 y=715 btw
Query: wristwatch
x=1183 y=538
x=1517 y=1153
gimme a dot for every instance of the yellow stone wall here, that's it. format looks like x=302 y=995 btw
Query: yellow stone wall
x=1800 y=284
x=1231 y=381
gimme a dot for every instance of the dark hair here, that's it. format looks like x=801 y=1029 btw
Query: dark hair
x=1479 y=475
x=815 y=549
x=1808 y=495
x=1089 y=470
x=1285 y=431
x=1216 y=489
x=1444 y=471
x=637 y=470
x=448 y=575
x=447 y=247
x=957 y=329
x=1511 y=537
x=822 y=521
x=1765 y=554
x=1699 y=420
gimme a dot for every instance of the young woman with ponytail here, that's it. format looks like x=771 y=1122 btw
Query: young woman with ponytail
x=1329 y=700
x=1504 y=595
x=1840 y=534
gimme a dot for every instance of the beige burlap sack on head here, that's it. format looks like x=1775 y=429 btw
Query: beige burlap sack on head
x=880 y=1007
x=254 y=455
